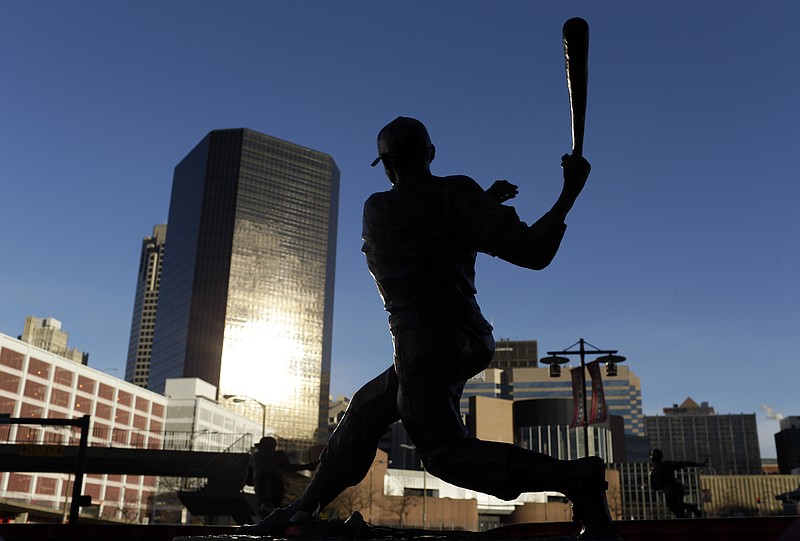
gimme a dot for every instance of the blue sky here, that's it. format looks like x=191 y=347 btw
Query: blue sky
x=681 y=253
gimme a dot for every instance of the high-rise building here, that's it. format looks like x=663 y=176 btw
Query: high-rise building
x=246 y=296
x=787 y=445
x=694 y=432
x=515 y=354
x=144 y=307
x=46 y=333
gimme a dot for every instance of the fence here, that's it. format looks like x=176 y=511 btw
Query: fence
x=204 y=441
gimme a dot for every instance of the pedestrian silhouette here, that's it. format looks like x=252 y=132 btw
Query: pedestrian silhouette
x=266 y=473
x=662 y=477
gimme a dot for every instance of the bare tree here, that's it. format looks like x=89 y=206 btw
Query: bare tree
x=167 y=506
x=128 y=510
x=295 y=483
x=614 y=498
x=399 y=506
x=355 y=498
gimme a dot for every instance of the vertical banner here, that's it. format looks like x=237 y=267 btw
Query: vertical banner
x=598 y=412
x=578 y=396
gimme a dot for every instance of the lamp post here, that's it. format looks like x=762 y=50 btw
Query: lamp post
x=239 y=399
x=555 y=359
x=424 y=487
x=369 y=518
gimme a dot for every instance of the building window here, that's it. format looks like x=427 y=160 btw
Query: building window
x=124 y=398
x=11 y=358
x=63 y=377
x=29 y=410
x=26 y=434
x=92 y=490
x=19 y=483
x=35 y=390
x=120 y=436
x=59 y=398
x=112 y=493
x=100 y=433
x=46 y=486
x=7 y=405
x=122 y=417
x=83 y=405
x=103 y=411
x=9 y=383
x=38 y=368
x=142 y=404
x=86 y=385
x=106 y=392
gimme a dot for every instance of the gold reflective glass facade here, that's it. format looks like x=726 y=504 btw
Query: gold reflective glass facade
x=251 y=294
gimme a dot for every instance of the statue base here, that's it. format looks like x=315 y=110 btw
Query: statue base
x=355 y=528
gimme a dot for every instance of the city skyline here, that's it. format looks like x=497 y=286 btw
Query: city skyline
x=679 y=254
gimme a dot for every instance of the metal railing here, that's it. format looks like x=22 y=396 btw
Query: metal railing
x=202 y=441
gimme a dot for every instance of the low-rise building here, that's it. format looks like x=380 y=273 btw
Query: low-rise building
x=747 y=495
x=37 y=384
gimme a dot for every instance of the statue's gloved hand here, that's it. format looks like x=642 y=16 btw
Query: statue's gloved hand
x=502 y=190
x=576 y=171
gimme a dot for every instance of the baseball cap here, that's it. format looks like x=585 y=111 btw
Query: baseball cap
x=400 y=136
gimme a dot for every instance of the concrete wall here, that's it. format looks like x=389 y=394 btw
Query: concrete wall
x=491 y=419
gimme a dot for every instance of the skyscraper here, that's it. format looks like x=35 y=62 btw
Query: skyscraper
x=246 y=297
x=787 y=444
x=144 y=307
x=695 y=432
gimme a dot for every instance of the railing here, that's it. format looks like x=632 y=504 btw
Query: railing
x=203 y=441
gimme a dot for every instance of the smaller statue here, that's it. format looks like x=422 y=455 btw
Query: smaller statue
x=662 y=477
x=266 y=472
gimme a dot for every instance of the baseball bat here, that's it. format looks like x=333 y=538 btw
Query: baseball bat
x=576 y=57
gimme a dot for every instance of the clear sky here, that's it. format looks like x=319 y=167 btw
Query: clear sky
x=681 y=253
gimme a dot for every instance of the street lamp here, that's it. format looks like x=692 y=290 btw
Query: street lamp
x=424 y=486
x=555 y=359
x=240 y=398
x=555 y=364
x=375 y=461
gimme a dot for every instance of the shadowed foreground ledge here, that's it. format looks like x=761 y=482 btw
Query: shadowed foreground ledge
x=712 y=529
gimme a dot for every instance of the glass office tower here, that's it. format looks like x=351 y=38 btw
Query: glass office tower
x=246 y=297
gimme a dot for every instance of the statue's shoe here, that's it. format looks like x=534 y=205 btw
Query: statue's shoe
x=588 y=497
x=276 y=523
